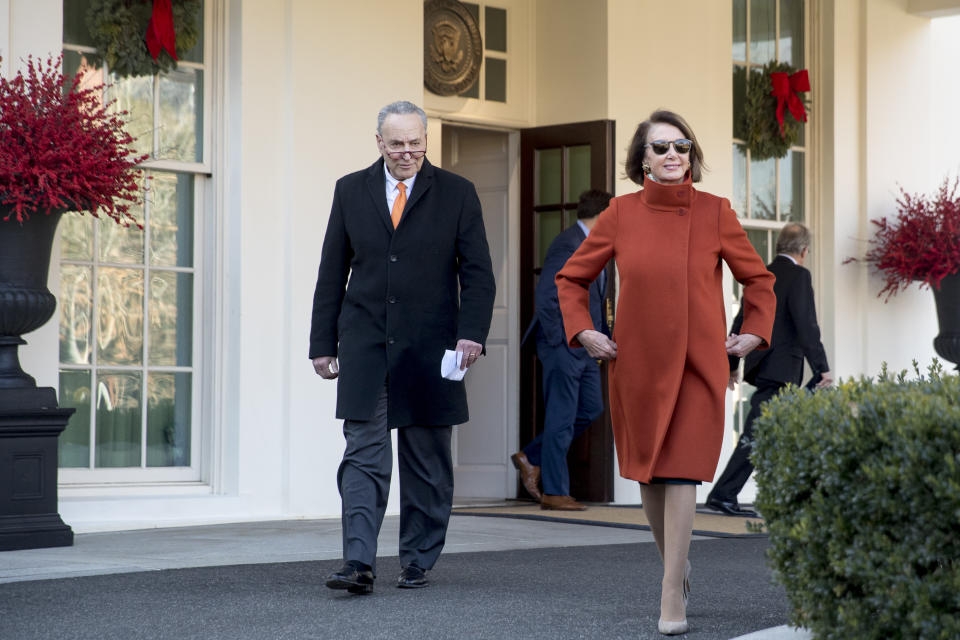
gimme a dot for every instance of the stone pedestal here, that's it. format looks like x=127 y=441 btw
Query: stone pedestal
x=30 y=423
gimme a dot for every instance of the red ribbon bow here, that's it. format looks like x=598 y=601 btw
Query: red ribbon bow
x=785 y=90
x=160 y=33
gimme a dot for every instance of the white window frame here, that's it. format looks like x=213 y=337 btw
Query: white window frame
x=199 y=471
x=740 y=398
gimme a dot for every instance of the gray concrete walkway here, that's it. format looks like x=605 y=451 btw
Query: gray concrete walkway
x=475 y=546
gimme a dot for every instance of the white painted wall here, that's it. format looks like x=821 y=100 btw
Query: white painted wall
x=884 y=93
x=34 y=27
x=571 y=61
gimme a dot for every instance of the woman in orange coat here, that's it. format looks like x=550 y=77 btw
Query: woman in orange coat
x=669 y=368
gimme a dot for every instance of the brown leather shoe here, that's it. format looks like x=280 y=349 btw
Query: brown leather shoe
x=529 y=474
x=560 y=503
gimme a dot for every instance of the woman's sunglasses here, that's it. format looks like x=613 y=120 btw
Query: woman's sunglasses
x=660 y=147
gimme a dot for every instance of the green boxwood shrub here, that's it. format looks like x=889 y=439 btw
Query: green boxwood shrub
x=860 y=489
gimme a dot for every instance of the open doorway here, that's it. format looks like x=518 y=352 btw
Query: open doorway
x=482 y=446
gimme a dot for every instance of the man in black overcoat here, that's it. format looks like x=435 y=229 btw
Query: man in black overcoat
x=796 y=335
x=405 y=274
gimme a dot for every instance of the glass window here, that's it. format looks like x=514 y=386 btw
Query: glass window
x=495 y=29
x=770 y=193
x=491 y=84
x=127 y=295
x=496 y=79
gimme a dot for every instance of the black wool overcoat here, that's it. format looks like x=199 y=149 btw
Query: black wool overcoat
x=796 y=334
x=388 y=302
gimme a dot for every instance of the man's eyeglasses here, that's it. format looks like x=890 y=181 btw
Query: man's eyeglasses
x=416 y=154
x=660 y=147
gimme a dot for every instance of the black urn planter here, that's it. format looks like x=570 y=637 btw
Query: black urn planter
x=30 y=420
x=947 y=297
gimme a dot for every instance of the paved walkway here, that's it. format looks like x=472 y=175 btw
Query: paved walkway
x=498 y=578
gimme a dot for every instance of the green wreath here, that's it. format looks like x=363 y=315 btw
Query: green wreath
x=757 y=126
x=118 y=29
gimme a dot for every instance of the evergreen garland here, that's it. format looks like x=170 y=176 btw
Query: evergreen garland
x=119 y=28
x=757 y=125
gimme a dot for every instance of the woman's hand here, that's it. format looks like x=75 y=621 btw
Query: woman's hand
x=597 y=345
x=741 y=345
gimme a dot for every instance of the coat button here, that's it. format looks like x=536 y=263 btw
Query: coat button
x=679 y=196
x=390 y=340
x=393 y=257
x=681 y=212
x=392 y=300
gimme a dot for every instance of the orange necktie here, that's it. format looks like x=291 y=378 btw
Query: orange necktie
x=399 y=204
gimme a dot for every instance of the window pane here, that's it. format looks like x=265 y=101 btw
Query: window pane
x=119 y=243
x=171 y=318
x=473 y=91
x=495 y=79
x=74 y=448
x=548 y=226
x=792 y=187
x=75 y=29
x=739 y=199
x=168 y=419
x=118 y=419
x=76 y=314
x=495 y=31
x=135 y=96
x=548 y=176
x=120 y=316
x=171 y=219
x=578 y=172
x=195 y=53
x=760 y=239
x=763 y=189
x=739 y=100
x=181 y=115
x=763 y=24
x=791 y=32
x=76 y=237
x=740 y=30
x=569 y=218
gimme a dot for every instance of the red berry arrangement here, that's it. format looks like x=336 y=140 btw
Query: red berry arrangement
x=62 y=148
x=922 y=243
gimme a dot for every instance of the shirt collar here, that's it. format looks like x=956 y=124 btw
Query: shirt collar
x=583 y=227
x=788 y=257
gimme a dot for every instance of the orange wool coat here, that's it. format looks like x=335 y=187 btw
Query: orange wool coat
x=668 y=383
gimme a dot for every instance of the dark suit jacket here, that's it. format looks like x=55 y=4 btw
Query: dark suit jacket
x=796 y=334
x=400 y=308
x=548 y=316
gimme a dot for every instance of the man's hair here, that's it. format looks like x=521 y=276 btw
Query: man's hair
x=399 y=108
x=637 y=149
x=592 y=202
x=793 y=239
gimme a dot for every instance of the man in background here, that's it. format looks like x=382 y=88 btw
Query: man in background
x=572 y=394
x=796 y=335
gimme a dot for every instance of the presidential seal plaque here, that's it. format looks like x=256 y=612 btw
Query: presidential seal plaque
x=452 y=48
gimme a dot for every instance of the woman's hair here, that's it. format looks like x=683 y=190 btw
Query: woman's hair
x=634 y=164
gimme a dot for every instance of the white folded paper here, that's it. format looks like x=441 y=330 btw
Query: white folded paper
x=450 y=365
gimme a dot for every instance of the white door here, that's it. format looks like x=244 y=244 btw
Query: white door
x=482 y=446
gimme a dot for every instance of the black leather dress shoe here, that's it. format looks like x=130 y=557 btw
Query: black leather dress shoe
x=730 y=508
x=412 y=577
x=352 y=578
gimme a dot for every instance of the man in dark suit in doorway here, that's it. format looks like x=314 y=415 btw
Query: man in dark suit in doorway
x=405 y=275
x=796 y=335
x=572 y=394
